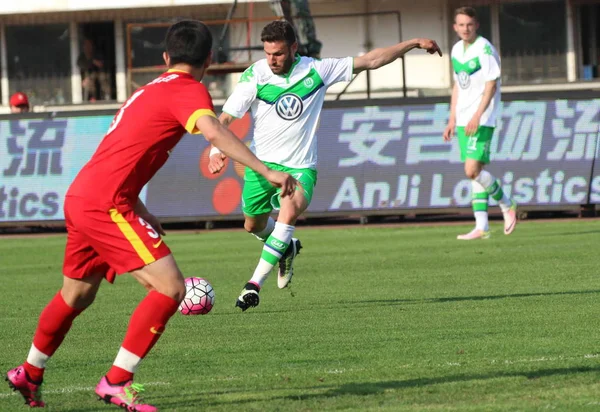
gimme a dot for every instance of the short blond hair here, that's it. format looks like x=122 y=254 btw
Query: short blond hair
x=467 y=11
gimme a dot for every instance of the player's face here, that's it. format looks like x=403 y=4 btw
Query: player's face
x=280 y=56
x=19 y=109
x=466 y=27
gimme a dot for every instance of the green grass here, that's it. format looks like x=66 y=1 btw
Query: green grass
x=399 y=318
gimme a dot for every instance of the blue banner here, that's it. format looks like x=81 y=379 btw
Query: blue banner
x=39 y=158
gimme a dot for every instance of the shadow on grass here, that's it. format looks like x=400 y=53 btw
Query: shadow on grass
x=469 y=298
x=393 y=302
x=365 y=388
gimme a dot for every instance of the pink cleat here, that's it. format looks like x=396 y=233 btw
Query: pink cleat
x=510 y=219
x=126 y=396
x=19 y=381
x=475 y=234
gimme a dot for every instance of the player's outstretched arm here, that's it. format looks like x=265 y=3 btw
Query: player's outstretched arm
x=220 y=137
x=216 y=159
x=377 y=58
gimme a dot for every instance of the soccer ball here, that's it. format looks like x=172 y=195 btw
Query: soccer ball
x=199 y=297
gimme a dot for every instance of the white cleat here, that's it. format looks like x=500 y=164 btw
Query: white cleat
x=475 y=234
x=510 y=219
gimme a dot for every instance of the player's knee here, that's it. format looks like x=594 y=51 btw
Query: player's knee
x=252 y=227
x=80 y=300
x=471 y=174
x=177 y=290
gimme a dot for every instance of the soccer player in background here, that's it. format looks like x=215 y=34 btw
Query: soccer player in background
x=111 y=232
x=285 y=93
x=474 y=107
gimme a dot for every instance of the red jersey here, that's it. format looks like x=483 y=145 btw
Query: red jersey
x=140 y=139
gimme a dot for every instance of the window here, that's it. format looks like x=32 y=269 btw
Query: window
x=96 y=61
x=39 y=62
x=147 y=47
x=533 y=39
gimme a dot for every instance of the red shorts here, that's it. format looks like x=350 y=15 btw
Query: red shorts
x=108 y=242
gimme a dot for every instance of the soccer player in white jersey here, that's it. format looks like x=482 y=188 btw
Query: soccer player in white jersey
x=473 y=111
x=285 y=93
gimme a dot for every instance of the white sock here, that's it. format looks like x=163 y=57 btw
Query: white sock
x=266 y=232
x=127 y=360
x=275 y=246
x=480 y=204
x=37 y=358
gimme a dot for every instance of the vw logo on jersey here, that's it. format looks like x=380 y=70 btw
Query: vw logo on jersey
x=289 y=106
x=464 y=80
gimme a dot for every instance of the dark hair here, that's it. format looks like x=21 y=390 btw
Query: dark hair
x=278 y=30
x=188 y=41
x=467 y=11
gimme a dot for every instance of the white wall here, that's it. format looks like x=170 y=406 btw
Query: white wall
x=38 y=6
x=348 y=36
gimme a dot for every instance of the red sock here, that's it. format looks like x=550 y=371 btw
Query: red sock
x=54 y=323
x=145 y=327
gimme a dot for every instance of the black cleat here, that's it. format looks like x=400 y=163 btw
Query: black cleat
x=286 y=263
x=248 y=298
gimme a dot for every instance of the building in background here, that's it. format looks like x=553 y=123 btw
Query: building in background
x=544 y=44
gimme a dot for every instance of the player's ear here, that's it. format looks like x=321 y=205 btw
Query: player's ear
x=294 y=48
x=167 y=59
x=208 y=60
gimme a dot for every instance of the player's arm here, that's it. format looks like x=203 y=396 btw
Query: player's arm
x=222 y=138
x=216 y=159
x=450 y=128
x=377 y=58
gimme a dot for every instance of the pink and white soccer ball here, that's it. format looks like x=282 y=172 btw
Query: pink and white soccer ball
x=199 y=297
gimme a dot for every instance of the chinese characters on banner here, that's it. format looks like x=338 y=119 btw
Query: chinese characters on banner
x=545 y=153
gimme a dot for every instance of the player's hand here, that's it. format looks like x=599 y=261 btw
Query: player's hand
x=449 y=132
x=430 y=46
x=216 y=163
x=154 y=222
x=472 y=126
x=284 y=181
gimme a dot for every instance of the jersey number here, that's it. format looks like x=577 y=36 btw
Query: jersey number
x=472 y=145
x=119 y=115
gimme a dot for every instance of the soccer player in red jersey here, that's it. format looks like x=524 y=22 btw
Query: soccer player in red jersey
x=111 y=232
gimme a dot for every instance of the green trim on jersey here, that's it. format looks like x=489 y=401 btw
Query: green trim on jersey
x=292 y=67
x=303 y=88
x=470 y=66
x=247 y=75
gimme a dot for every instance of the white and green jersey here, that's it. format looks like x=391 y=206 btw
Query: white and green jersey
x=473 y=66
x=286 y=109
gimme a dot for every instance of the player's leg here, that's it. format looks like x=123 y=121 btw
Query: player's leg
x=475 y=151
x=138 y=249
x=290 y=210
x=166 y=290
x=83 y=273
x=481 y=143
x=280 y=246
x=256 y=205
x=479 y=202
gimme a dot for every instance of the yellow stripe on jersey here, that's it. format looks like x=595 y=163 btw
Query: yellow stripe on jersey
x=190 y=126
x=132 y=236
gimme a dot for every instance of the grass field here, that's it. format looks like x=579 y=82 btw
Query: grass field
x=398 y=318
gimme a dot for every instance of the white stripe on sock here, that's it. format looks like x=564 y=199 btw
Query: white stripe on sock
x=127 y=360
x=37 y=358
